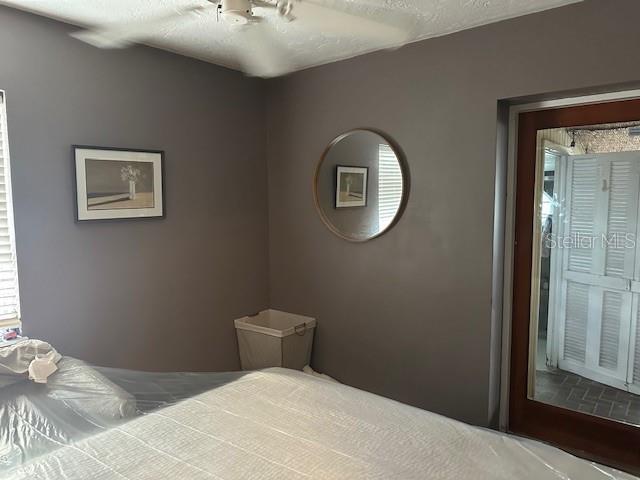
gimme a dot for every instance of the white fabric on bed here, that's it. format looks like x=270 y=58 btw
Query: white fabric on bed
x=76 y=402
x=16 y=358
x=281 y=424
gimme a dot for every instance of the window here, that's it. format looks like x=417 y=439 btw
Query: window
x=9 y=299
x=389 y=186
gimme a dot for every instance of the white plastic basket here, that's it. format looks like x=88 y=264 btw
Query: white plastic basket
x=273 y=338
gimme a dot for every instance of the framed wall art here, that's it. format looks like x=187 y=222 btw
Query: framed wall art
x=117 y=183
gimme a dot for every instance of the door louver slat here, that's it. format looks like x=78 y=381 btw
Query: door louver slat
x=621 y=216
x=584 y=187
x=636 y=360
x=610 y=329
x=575 y=329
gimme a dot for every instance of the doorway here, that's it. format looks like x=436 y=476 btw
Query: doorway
x=575 y=357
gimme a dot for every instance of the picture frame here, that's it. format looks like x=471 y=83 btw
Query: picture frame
x=118 y=183
x=351 y=186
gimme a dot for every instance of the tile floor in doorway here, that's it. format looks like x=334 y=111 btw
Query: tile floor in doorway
x=564 y=389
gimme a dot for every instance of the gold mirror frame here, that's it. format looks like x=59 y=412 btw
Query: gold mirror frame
x=406 y=184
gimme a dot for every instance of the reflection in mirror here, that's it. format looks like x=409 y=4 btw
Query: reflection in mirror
x=360 y=185
x=585 y=299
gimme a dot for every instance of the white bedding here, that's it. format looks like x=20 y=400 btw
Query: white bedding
x=76 y=402
x=281 y=424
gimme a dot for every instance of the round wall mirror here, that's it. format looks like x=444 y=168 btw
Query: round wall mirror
x=361 y=185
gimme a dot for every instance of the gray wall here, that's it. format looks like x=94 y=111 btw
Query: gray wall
x=409 y=315
x=155 y=294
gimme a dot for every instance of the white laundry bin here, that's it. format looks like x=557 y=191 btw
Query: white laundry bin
x=273 y=338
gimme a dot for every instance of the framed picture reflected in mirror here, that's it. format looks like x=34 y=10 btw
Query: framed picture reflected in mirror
x=351 y=186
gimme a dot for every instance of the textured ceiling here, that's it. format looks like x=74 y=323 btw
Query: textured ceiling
x=202 y=36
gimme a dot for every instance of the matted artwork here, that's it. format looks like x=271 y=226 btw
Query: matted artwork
x=351 y=186
x=114 y=183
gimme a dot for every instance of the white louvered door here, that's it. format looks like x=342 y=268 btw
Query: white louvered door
x=633 y=375
x=598 y=303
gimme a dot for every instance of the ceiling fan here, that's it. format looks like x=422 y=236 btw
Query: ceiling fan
x=264 y=54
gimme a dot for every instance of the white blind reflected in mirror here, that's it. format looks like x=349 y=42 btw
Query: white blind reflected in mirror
x=9 y=298
x=389 y=186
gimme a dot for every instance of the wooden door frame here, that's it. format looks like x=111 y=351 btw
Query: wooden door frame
x=602 y=440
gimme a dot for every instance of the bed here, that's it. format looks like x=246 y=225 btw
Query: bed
x=77 y=402
x=283 y=424
x=80 y=400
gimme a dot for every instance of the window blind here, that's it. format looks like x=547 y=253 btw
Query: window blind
x=9 y=298
x=389 y=185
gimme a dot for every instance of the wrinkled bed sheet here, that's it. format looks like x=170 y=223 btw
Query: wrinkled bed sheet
x=80 y=400
x=36 y=418
x=282 y=424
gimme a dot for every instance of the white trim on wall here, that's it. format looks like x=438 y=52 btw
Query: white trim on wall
x=507 y=284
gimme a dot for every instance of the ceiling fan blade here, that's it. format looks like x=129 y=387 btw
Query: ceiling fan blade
x=124 y=34
x=390 y=27
x=263 y=55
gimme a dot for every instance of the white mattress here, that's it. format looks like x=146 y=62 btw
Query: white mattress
x=281 y=424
